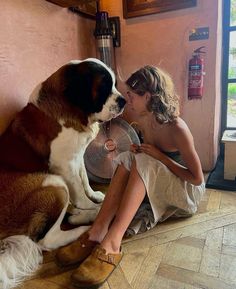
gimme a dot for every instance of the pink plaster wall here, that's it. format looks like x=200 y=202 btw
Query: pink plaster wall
x=162 y=39
x=37 y=37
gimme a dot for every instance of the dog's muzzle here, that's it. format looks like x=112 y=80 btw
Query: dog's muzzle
x=121 y=102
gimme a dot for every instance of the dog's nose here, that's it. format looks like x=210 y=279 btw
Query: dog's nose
x=121 y=101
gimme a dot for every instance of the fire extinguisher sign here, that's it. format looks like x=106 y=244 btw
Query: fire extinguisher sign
x=194 y=67
x=196 y=73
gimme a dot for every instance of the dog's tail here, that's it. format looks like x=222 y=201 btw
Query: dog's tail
x=20 y=257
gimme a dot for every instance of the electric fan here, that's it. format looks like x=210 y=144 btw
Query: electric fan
x=114 y=137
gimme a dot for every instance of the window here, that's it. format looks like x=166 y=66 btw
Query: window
x=229 y=66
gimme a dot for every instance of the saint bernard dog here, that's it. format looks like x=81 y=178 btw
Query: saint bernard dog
x=42 y=167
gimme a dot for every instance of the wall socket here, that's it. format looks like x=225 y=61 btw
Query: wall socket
x=199 y=33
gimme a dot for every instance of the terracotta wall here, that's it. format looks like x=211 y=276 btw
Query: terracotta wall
x=37 y=37
x=162 y=39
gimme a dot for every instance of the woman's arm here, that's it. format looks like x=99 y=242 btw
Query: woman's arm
x=183 y=141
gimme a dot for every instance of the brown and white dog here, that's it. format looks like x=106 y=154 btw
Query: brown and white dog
x=42 y=167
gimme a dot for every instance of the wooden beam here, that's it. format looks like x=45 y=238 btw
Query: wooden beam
x=70 y=3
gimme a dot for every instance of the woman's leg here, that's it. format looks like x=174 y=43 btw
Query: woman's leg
x=132 y=198
x=97 y=268
x=110 y=204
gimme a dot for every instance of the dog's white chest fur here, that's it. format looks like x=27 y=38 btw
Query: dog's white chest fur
x=69 y=147
x=67 y=159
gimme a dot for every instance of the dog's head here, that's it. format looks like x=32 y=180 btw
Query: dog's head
x=82 y=89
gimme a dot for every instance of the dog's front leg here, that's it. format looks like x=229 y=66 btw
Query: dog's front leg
x=67 y=160
x=78 y=195
x=82 y=195
x=55 y=237
x=95 y=196
x=70 y=172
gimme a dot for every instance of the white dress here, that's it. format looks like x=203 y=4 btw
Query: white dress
x=167 y=194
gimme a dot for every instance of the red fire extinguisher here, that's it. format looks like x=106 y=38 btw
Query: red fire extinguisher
x=196 y=73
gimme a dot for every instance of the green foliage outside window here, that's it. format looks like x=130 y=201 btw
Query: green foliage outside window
x=232 y=99
x=233 y=12
x=232 y=107
x=232 y=50
x=232 y=73
x=232 y=90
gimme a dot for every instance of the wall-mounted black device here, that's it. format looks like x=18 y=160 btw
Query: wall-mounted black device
x=115 y=30
x=107 y=35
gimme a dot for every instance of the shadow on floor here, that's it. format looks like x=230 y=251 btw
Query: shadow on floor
x=216 y=178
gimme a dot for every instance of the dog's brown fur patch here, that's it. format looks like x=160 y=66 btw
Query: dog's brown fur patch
x=33 y=209
x=25 y=145
x=57 y=106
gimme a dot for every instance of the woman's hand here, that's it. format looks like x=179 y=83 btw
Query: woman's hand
x=134 y=148
x=151 y=150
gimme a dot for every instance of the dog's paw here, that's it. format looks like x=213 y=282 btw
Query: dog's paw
x=77 y=219
x=83 y=217
x=97 y=197
x=74 y=211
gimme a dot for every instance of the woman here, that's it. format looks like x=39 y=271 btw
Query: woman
x=165 y=168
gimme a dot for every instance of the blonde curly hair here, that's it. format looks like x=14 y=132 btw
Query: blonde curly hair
x=164 y=103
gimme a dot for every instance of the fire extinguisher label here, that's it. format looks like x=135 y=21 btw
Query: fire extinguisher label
x=195 y=83
x=195 y=67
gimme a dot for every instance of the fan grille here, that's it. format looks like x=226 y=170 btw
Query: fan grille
x=114 y=137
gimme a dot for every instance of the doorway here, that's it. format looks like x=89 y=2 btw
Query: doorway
x=219 y=178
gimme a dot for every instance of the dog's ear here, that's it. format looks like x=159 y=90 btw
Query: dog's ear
x=87 y=85
x=78 y=86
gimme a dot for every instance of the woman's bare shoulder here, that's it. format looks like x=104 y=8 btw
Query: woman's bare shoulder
x=180 y=130
x=179 y=125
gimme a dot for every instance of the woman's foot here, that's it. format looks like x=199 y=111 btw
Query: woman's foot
x=97 y=233
x=112 y=247
x=95 y=270
x=76 y=252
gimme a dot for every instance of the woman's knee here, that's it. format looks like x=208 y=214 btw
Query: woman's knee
x=121 y=171
x=124 y=169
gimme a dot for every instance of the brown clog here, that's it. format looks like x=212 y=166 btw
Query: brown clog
x=95 y=270
x=76 y=252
